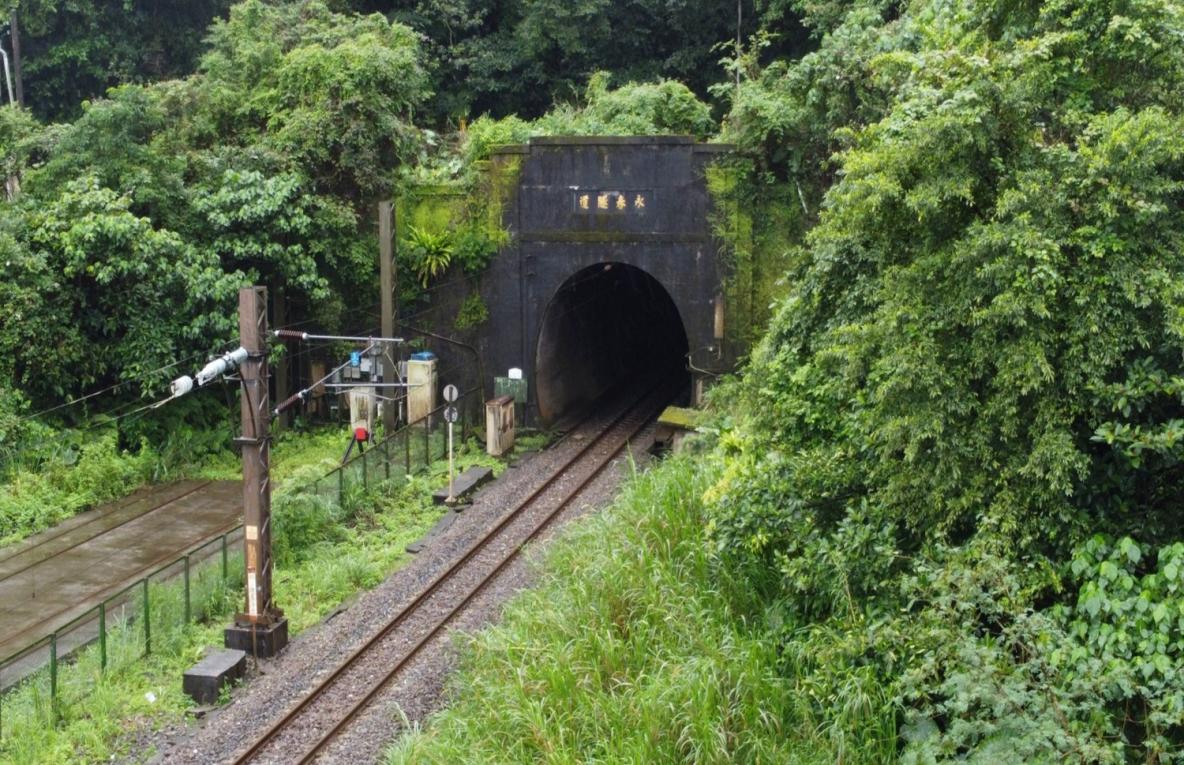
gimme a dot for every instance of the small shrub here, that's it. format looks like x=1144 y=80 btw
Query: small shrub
x=473 y=312
x=475 y=246
x=300 y=522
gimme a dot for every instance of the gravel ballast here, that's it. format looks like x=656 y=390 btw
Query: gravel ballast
x=277 y=685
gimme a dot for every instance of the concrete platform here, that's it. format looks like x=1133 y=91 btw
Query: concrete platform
x=53 y=577
x=259 y=640
x=464 y=484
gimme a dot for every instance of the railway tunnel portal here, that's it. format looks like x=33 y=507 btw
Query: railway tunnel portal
x=611 y=269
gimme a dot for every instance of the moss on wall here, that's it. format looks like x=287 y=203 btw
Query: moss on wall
x=463 y=219
x=436 y=208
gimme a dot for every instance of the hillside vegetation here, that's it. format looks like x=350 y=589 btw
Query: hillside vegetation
x=951 y=472
x=937 y=514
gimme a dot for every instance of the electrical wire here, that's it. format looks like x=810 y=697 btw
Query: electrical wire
x=299 y=396
x=116 y=386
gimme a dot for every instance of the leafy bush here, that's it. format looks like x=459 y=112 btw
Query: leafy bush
x=473 y=312
x=486 y=134
x=86 y=468
x=21 y=436
x=997 y=678
x=475 y=245
x=665 y=107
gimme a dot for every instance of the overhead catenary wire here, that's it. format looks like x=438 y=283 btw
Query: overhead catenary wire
x=313 y=348
x=291 y=335
x=117 y=385
x=115 y=415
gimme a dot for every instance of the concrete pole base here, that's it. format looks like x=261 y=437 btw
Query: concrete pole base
x=262 y=641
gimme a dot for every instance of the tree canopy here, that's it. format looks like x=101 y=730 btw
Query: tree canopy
x=976 y=373
x=136 y=222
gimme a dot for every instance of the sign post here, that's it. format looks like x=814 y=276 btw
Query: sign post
x=450 y=415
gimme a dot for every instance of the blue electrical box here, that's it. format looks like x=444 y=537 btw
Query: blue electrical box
x=355 y=358
x=423 y=356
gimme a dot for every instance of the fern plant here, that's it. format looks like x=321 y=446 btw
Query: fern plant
x=430 y=252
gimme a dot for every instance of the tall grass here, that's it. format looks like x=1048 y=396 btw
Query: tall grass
x=630 y=650
x=75 y=477
x=33 y=499
x=94 y=705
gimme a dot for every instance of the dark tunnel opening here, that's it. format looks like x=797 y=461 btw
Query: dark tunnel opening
x=610 y=324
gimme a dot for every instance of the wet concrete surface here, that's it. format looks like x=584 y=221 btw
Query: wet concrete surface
x=51 y=578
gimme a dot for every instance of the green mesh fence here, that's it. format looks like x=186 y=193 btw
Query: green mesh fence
x=151 y=614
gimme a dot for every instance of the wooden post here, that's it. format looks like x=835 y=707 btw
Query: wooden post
x=387 y=275
x=256 y=413
x=261 y=630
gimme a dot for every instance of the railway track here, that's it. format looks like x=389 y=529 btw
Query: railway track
x=307 y=729
x=53 y=579
x=69 y=536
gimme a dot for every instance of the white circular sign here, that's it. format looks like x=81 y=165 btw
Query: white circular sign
x=450 y=393
x=451 y=414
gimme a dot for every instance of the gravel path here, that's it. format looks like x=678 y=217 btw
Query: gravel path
x=276 y=685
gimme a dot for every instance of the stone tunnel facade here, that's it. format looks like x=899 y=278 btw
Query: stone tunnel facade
x=610 y=250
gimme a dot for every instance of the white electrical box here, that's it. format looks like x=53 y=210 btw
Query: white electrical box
x=499 y=425
x=421 y=390
x=363 y=410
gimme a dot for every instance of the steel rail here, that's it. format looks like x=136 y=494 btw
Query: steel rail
x=443 y=577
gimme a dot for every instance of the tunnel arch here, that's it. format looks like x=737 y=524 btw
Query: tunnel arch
x=606 y=324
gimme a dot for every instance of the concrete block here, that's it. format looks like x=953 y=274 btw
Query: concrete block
x=259 y=640
x=464 y=484
x=203 y=681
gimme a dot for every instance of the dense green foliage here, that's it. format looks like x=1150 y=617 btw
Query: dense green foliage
x=977 y=369
x=994 y=281
x=74 y=51
x=483 y=57
x=665 y=107
x=522 y=56
x=136 y=223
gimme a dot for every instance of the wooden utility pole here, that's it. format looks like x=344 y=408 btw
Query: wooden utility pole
x=386 y=266
x=16 y=59
x=261 y=630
